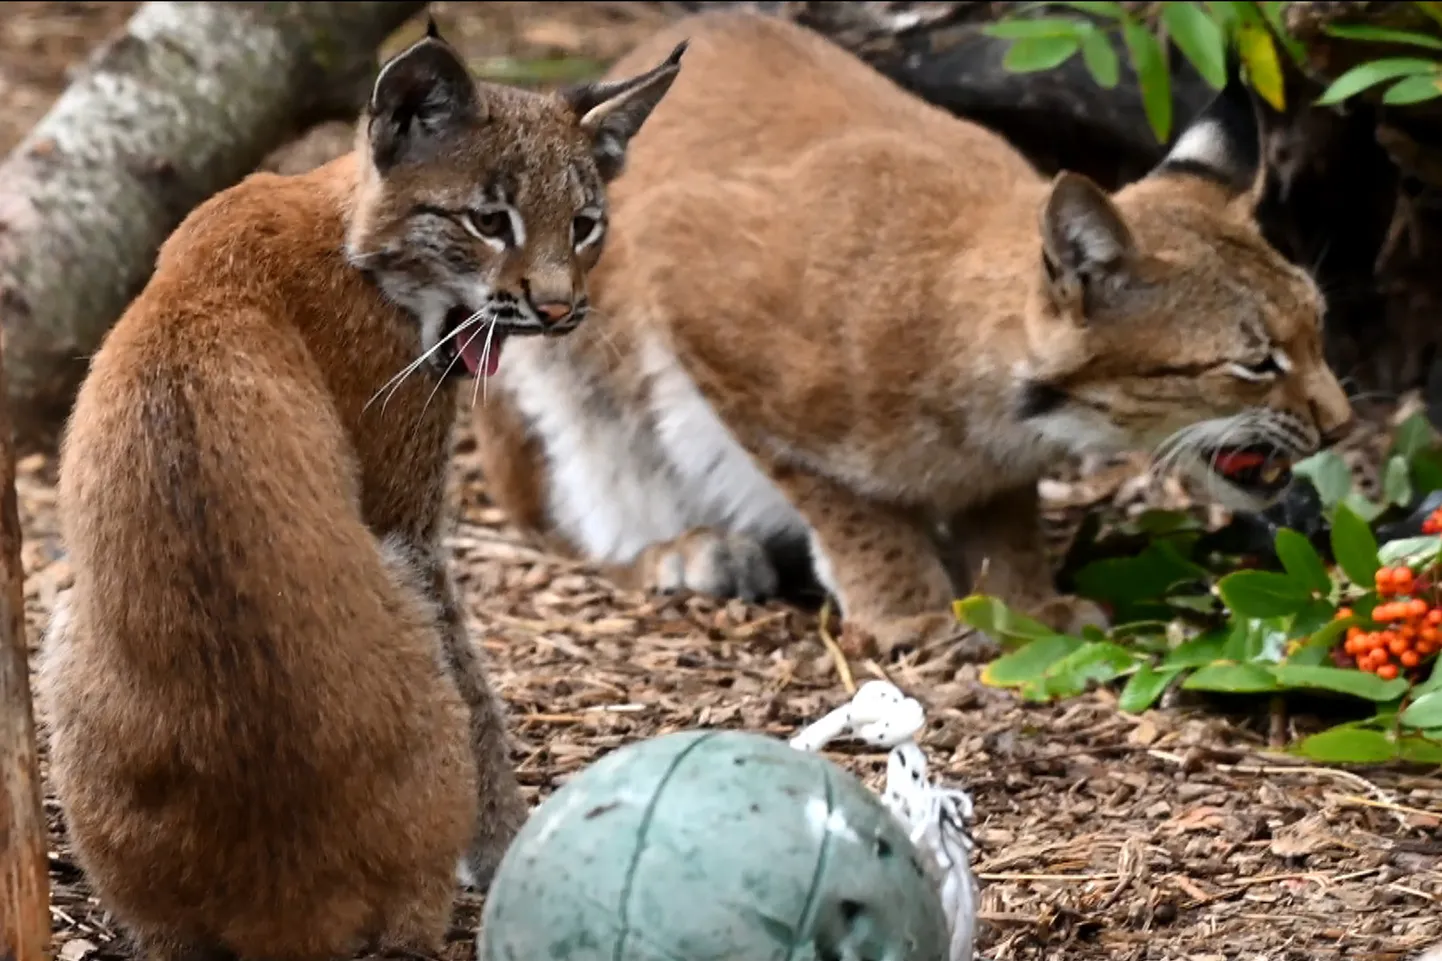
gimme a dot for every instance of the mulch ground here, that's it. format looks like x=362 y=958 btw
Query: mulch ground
x=1172 y=835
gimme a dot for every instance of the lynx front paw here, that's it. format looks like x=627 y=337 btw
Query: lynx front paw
x=711 y=562
x=930 y=635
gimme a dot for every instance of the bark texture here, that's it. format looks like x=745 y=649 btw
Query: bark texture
x=24 y=881
x=184 y=103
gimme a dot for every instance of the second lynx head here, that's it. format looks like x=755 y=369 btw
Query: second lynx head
x=483 y=207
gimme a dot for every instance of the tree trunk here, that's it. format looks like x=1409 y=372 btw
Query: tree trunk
x=24 y=881
x=184 y=103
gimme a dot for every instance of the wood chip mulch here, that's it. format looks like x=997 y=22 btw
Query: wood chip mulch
x=1170 y=835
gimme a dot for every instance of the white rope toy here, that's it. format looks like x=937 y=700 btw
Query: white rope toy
x=938 y=819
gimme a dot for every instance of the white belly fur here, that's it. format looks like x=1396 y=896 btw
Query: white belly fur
x=623 y=480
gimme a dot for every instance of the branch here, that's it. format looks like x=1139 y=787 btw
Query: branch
x=188 y=100
x=24 y=881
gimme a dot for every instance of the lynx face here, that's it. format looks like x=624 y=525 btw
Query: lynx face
x=1200 y=341
x=484 y=207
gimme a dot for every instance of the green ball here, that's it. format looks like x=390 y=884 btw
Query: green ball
x=713 y=846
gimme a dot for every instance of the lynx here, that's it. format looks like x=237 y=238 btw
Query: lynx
x=269 y=731
x=834 y=316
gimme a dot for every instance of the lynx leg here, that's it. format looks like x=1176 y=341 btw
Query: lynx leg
x=998 y=549
x=879 y=562
x=502 y=809
x=418 y=924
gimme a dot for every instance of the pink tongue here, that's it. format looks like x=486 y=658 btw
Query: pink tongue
x=473 y=348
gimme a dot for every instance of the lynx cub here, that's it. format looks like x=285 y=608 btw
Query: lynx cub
x=270 y=733
x=834 y=315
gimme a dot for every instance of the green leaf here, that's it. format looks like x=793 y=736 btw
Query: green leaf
x=1039 y=53
x=1262 y=593
x=1328 y=635
x=1412 y=437
x=1369 y=687
x=1329 y=474
x=1094 y=663
x=1030 y=662
x=1040 y=28
x=1314 y=617
x=1264 y=71
x=1426 y=711
x=1348 y=745
x=1199 y=39
x=1362 y=507
x=1150 y=575
x=1144 y=687
x=1427 y=471
x=1111 y=11
x=1413 y=552
x=1397 y=479
x=1149 y=61
x=1302 y=562
x=1232 y=679
x=1420 y=750
x=1433 y=683
x=1200 y=651
x=1101 y=59
x=1363 y=31
x=995 y=619
x=1354 y=546
x=1410 y=90
x=1272 y=13
x=1367 y=75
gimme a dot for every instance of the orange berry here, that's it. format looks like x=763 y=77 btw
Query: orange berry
x=1409 y=658
x=1429 y=634
x=1350 y=646
x=1375 y=641
x=1387 y=671
x=1416 y=608
x=1425 y=647
x=1434 y=617
x=1343 y=613
x=1397 y=644
x=1384 y=580
x=1353 y=631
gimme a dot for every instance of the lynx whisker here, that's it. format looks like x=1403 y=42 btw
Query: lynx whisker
x=395 y=382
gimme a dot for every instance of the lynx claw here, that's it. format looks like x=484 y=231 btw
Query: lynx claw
x=714 y=563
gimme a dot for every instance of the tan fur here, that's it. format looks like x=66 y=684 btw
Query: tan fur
x=868 y=294
x=270 y=733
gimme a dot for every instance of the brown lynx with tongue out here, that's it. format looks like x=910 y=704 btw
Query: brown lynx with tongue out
x=837 y=322
x=270 y=734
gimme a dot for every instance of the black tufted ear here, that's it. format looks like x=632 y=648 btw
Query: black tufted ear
x=612 y=113
x=1224 y=143
x=420 y=97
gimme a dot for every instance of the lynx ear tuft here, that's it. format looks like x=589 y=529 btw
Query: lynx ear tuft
x=612 y=113
x=1223 y=144
x=420 y=98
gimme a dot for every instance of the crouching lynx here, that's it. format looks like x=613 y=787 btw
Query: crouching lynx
x=270 y=734
x=831 y=314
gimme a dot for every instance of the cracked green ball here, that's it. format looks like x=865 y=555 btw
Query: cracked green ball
x=712 y=846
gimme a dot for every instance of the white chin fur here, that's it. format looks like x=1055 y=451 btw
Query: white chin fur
x=1219 y=489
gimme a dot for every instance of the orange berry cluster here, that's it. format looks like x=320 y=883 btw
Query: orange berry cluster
x=1433 y=523
x=1413 y=628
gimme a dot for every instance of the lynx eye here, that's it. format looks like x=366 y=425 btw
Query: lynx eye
x=1267 y=369
x=585 y=229
x=488 y=224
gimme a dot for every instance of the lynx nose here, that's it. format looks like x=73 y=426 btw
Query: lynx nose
x=553 y=312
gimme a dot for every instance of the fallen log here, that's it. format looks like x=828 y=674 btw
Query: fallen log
x=184 y=103
x=24 y=878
